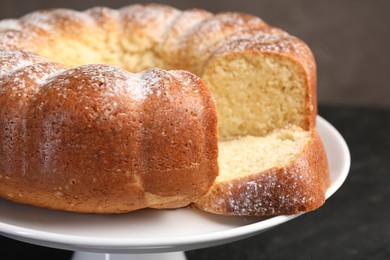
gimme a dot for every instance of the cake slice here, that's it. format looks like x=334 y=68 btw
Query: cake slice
x=284 y=172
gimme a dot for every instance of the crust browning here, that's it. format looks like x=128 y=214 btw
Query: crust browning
x=299 y=186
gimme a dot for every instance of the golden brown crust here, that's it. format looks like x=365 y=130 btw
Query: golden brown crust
x=99 y=139
x=297 y=187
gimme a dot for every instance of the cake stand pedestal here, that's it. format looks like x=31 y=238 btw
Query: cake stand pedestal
x=152 y=234
x=99 y=256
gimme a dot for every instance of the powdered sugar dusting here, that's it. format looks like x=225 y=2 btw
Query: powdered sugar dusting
x=19 y=69
x=52 y=20
x=108 y=81
x=137 y=86
x=41 y=19
x=144 y=14
x=190 y=83
x=144 y=84
x=229 y=22
x=212 y=32
x=215 y=28
x=268 y=41
x=10 y=24
x=182 y=27
x=151 y=20
x=269 y=195
x=22 y=85
x=14 y=60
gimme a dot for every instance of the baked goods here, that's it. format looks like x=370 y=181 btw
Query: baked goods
x=99 y=139
x=283 y=172
x=261 y=78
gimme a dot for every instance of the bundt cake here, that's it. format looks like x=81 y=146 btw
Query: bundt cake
x=109 y=111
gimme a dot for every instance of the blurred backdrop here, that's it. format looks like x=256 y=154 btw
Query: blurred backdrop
x=349 y=38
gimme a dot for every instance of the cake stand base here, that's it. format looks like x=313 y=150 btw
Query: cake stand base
x=102 y=256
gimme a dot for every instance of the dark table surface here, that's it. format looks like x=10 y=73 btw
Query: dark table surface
x=353 y=224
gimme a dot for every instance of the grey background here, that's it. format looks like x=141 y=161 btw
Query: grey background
x=349 y=38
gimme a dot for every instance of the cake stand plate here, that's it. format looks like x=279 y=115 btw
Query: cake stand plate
x=150 y=233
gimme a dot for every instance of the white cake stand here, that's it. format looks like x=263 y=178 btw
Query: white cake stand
x=151 y=234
